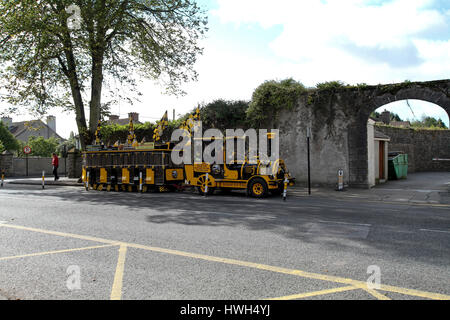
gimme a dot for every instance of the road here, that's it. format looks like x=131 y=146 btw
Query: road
x=66 y=243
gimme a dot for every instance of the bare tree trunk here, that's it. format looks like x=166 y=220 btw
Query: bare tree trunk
x=97 y=39
x=76 y=95
x=96 y=91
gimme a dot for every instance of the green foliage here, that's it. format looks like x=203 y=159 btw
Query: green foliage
x=330 y=85
x=395 y=117
x=112 y=133
x=47 y=63
x=7 y=140
x=40 y=147
x=271 y=97
x=68 y=144
x=362 y=85
x=429 y=122
x=375 y=115
x=224 y=115
x=219 y=114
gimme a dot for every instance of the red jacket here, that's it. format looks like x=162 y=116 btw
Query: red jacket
x=55 y=161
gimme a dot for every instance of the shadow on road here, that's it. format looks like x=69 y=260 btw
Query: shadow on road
x=338 y=225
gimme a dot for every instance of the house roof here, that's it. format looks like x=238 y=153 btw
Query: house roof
x=17 y=128
x=400 y=124
x=381 y=136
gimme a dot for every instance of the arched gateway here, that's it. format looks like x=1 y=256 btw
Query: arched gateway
x=338 y=119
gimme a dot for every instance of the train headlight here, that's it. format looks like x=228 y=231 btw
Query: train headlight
x=175 y=174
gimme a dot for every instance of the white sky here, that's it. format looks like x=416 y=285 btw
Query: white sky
x=355 y=41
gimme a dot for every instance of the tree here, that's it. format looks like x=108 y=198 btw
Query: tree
x=441 y=124
x=67 y=145
x=224 y=114
x=395 y=117
x=40 y=147
x=429 y=122
x=375 y=115
x=47 y=62
x=7 y=140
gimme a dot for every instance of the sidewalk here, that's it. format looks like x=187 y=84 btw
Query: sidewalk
x=431 y=188
x=49 y=181
x=420 y=188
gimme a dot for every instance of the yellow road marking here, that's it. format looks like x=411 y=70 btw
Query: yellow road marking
x=53 y=252
x=62 y=234
x=316 y=293
x=316 y=276
x=376 y=294
x=412 y=292
x=116 y=292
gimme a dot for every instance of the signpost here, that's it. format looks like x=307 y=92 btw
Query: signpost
x=27 y=151
x=308 y=142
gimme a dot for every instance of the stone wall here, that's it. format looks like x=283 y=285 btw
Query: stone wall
x=74 y=164
x=16 y=167
x=422 y=146
x=6 y=165
x=328 y=146
x=338 y=119
x=35 y=166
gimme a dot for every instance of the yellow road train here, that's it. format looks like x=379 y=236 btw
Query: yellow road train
x=148 y=166
x=257 y=178
x=132 y=170
x=144 y=170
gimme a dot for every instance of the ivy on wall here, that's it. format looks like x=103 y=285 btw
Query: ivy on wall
x=270 y=98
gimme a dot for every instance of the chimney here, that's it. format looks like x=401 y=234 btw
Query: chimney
x=7 y=121
x=113 y=117
x=386 y=117
x=134 y=116
x=51 y=123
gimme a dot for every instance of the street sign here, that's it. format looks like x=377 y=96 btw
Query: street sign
x=27 y=151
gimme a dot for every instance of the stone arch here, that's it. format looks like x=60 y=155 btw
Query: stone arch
x=437 y=92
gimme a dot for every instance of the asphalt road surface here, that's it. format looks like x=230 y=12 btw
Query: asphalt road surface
x=66 y=243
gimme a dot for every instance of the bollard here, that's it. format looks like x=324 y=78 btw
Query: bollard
x=340 y=180
x=140 y=181
x=286 y=181
x=87 y=181
x=3 y=178
x=43 y=180
x=206 y=184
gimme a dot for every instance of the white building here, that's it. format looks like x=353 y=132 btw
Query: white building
x=24 y=130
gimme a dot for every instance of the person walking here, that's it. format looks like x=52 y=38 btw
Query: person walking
x=55 y=164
